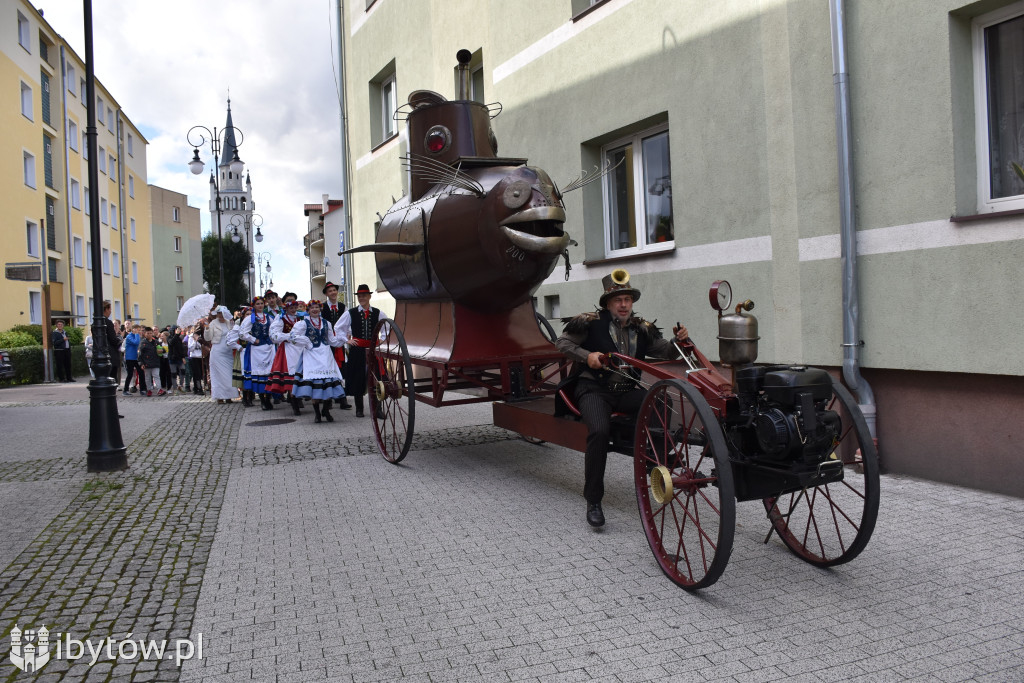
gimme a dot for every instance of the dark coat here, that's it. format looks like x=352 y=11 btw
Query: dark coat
x=148 y=355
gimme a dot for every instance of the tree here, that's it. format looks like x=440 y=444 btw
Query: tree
x=236 y=260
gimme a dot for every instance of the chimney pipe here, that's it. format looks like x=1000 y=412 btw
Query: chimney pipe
x=464 y=56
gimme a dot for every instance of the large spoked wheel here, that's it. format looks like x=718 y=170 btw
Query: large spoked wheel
x=684 y=486
x=545 y=328
x=392 y=393
x=831 y=524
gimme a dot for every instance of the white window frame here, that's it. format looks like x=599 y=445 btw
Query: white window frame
x=639 y=196
x=72 y=80
x=76 y=194
x=24 y=33
x=135 y=272
x=73 y=135
x=85 y=146
x=82 y=89
x=102 y=160
x=35 y=307
x=986 y=203
x=175 y=214
x=117 y=309
x=88 y=255
x=29 y=168
x=179 y=302
x=131 y=186
x=115 y=217
x=32 y=246
x=105 y=261
x=112 y=165
x=82 y=314
x=132 y=222
x=115 y=264
x=103 y=211
x=179 y=274
x=389 y=127
x=27 y=106
x=177 y=243
x=77 y=245
x=110 y=119
x=86 y=202
x=131 y=151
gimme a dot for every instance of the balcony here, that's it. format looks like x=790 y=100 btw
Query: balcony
x=315 y=235
x=318 y=270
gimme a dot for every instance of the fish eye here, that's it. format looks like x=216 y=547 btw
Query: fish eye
x=437 y=139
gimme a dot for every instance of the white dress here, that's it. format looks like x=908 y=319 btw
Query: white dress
x=318 y=377
x=221 y=361
x=259 y=354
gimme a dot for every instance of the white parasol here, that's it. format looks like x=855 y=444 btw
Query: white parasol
x=195 y=308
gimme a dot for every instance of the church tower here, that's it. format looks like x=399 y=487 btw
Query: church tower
x=235 y=194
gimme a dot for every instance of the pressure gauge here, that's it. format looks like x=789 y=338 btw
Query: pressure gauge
x=720 y=295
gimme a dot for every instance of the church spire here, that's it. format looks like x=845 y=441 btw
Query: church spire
x=230 y=147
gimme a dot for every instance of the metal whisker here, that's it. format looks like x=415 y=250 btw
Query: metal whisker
x=441 y=173
x=587 y=177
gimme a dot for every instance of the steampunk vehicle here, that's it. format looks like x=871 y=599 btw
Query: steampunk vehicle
x=463 y=253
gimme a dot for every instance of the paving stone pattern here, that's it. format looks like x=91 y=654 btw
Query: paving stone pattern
x=300 y=555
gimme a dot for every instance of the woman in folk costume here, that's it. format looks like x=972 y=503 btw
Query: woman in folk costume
x=218 y=328
x=255 y=330
x=239 y=370
x=318 y=378
x=288 y=359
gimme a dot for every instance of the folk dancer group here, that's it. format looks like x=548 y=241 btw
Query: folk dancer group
x=291 y=350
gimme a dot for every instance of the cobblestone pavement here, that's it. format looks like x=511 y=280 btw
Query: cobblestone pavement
x=298 y=554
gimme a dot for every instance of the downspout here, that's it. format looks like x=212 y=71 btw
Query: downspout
x=122 y=214
x=847 y=226
x=67 y=191
x=345 y=238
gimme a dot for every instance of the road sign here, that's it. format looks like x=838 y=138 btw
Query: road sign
x=30 y=272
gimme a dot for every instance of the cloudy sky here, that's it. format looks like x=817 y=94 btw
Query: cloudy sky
x=170 y=64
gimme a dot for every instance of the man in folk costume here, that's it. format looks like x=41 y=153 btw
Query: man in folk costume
x=319 y=378
x=272 y=303
x=589 y=338
x=331 y=312
x=255 y=330
x=289 y=353
x=355 y=328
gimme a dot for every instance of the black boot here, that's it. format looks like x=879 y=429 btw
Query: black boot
x=316 y=412
x=326 y=409
x=345 y=405
x=296 y=405
x=359 y=406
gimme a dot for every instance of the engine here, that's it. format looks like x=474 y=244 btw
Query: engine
x=783 y=415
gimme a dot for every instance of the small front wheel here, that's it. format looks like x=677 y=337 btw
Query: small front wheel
x=684 y=486
x=392 y=392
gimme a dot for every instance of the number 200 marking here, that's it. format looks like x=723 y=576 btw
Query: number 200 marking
x=516 y=252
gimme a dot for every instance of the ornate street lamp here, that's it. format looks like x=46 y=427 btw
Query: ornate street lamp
x=197 y=139
x=261 y=258
x=242 y=224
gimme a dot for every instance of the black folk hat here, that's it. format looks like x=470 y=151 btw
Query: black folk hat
x=363 y=289
x=329 y=284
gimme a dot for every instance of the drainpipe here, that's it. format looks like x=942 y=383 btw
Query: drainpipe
x=344 y=236
x=847 y=227
x=67 y=191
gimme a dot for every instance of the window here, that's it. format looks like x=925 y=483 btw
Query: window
x=131 y=186
x=135 y=272
x=117 y=310
x=72 y=80
x=115 y=218
x=77 y=251
x=131 y=151
x=177 y=243
x=103 y=211
x=85 y=197
x=180 y=302
x=178 y=274
x=35 y=308
x=88 y=255
x=135 y=310
x=103 y=159
x=24 y=33
x=76 y=199
x=115 y=264
x=110 y=119
x=99 y=108
x=112 y=166
x=81 y=88
x=29 y=169
x=80 y=310
x=638 y=192
x=579 y=7
x=175 y=214
x=26 y=101
x=85 y=146
x=105 y=260
x=133 y=228
x=32 y=238
x=383 y=102
x=999 y=102
x=73 y=135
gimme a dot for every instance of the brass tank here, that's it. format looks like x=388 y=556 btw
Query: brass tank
x=737 y=336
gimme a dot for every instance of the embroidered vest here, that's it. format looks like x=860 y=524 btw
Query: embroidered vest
x=316 y=336
x=362 y=326
x=261 y=330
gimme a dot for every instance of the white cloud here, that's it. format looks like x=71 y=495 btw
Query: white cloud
x=170 y=65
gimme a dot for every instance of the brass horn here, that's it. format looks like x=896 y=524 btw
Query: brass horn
x=620 y=276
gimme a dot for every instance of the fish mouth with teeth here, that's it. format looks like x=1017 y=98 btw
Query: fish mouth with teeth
x=539 y=229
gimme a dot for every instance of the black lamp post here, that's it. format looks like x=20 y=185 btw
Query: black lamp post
x=246 y=223
x=106 y=450
x=261 y=257
x=196 y=166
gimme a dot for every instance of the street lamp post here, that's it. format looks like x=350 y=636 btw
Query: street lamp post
x=261 y=258
x=246 y=223
x=197 y=139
